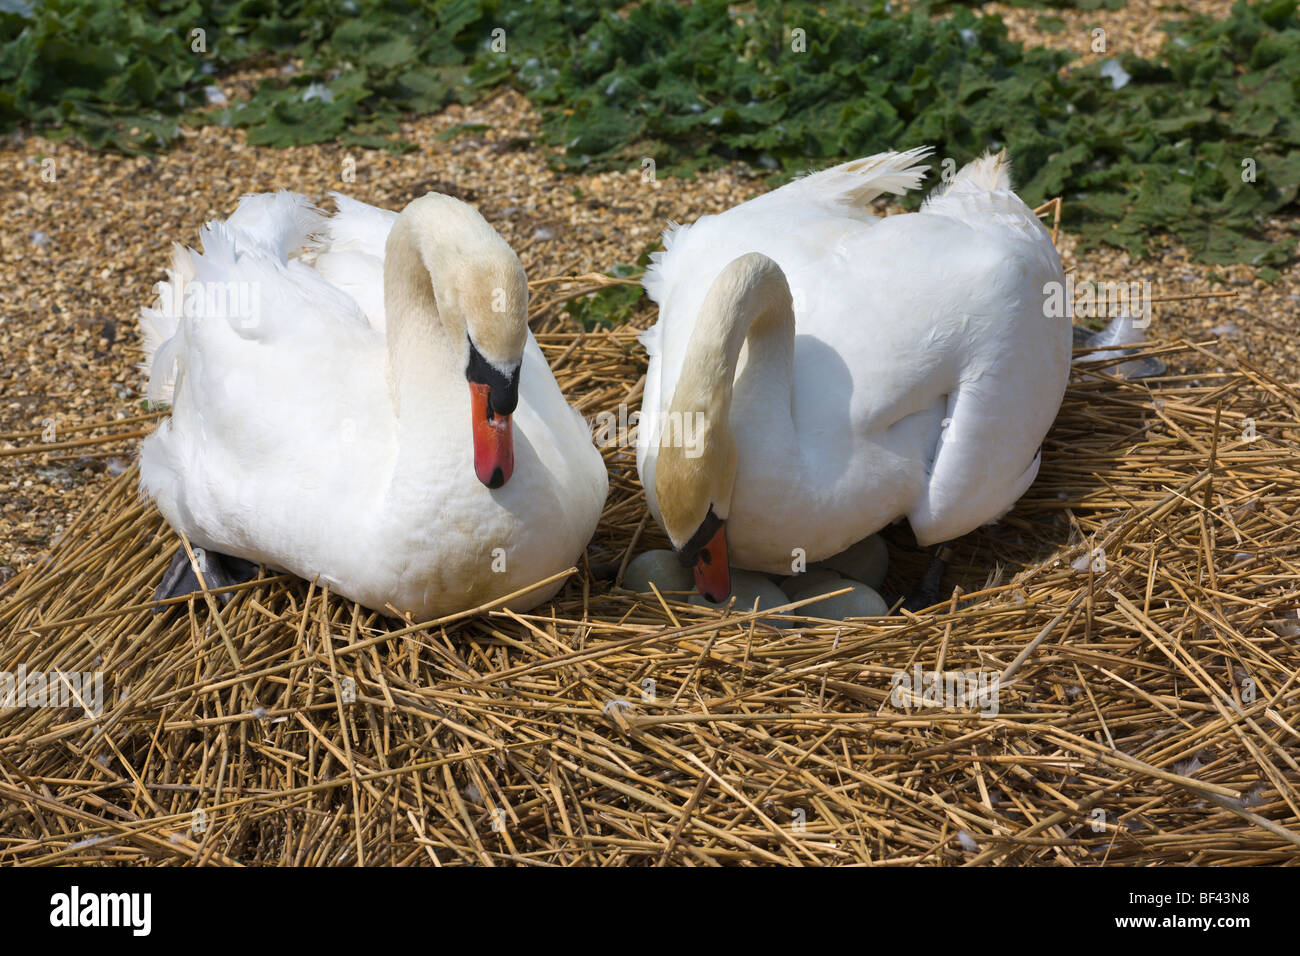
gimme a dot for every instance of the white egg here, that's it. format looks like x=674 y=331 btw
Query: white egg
x=862 y=601
x=867 y=561
x=661 y=567
x=746 y=587
x=813 y=576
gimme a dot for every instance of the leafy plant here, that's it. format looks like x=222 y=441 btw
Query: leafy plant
x=694 y=85
x=108 y=73
x=611 y=306
x=1203 y=141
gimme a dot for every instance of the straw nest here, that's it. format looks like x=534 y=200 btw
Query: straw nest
x=1138 y=608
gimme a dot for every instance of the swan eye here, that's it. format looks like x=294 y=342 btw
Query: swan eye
x=712 y=577
x=697 y=549
x=503 y=396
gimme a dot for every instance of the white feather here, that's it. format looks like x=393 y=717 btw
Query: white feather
x=925 y=370
x=284 y=446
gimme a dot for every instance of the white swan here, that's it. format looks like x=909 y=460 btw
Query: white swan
x=344 y=392
x=818 y=372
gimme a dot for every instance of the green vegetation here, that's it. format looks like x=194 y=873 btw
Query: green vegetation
x=693 y=86
x=1055 y=4
x=612 y=306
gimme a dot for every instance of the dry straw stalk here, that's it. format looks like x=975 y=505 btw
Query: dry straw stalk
x=1148 y=712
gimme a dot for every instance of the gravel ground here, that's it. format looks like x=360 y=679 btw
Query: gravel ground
x=83 y=248
x=1135 y=28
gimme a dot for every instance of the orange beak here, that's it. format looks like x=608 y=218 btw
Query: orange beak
x=712 y=573
x=494 y=443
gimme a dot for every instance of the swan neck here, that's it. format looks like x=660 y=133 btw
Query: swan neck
x=750 y=304
x=421 y=349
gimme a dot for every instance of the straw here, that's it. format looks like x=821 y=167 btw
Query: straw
x=1147 y=712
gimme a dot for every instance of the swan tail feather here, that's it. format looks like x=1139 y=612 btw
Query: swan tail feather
x=848 y=186
x=266 y=227
x=164 y=372
x=990 y=172
x=859 y=181
x=160 y=322
x=356 y=227
x=980 y=194
x=281 y=223
x=656 y=280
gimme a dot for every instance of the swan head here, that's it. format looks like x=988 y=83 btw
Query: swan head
x=695 y=474
x=489 y=295
x=476 y=300
x=494 y=393
x=694 y=477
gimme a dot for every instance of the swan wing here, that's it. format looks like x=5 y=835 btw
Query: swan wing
x=349 y=252
x=799 y=225
x=269 y=369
